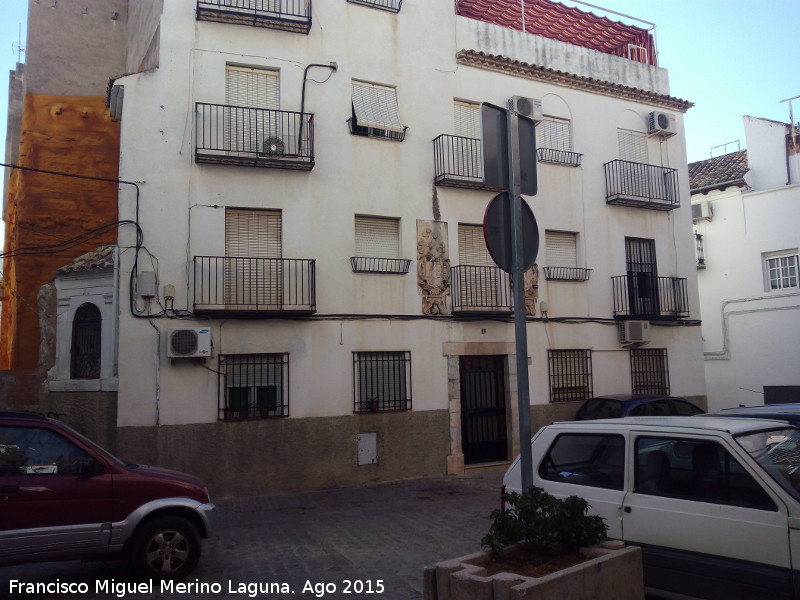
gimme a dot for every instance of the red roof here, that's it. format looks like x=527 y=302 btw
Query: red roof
x=558 y=22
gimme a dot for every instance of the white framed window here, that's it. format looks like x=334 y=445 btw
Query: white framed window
x=375 y=111
x=780 y=270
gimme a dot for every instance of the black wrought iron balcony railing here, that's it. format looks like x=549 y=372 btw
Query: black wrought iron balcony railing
x=479 y=289
x=458 y=162
x=285 y=15
x=645 y=296
x=388 y=5
x=376 y=132
x=224 y=285
x=641 y=185
x=253 y=137
x=567 y=273
x=368 y=264
x=558 y=157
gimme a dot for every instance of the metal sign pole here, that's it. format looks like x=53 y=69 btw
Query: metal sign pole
x=518 y=282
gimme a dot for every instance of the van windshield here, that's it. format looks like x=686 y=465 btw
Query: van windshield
x=778 y=451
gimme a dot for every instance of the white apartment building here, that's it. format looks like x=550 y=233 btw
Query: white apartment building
x=310 y=303
x=746 y=219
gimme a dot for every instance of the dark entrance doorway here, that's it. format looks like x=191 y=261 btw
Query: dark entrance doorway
x=484 y=432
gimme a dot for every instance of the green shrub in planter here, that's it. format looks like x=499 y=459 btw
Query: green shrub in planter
x=540 y=522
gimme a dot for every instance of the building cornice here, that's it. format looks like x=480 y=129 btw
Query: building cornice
x=516 y=68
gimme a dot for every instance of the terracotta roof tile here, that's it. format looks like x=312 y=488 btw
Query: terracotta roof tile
x=101 y=258
x=728 y=169
x=558 y=22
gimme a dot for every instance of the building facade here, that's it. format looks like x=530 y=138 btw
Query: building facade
x=306 y=300
x=745 y=213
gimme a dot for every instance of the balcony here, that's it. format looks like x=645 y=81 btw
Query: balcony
x=558 y=157
x=253 y=286
x=640 y=185
x=376 y=132
x=458 y=162
x=480 y=290
x=254 y=137
x=646 y=296
x=368 y=264
x=567 y=273
x=284 y=15
x=387 y=5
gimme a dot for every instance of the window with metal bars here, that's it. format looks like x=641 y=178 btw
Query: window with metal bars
x=570 y=375
x=86 y=342
x=650 y=372
x=254 y=386
x=382 y=381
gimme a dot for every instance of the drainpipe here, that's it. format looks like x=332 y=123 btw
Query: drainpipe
x=333 y=67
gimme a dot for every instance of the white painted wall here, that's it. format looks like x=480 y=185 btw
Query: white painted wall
x=182 y=204
x=750 y=333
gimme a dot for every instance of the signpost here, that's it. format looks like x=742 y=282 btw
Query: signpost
x=505 y=153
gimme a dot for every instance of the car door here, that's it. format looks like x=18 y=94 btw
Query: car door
x=589 y=465
x=708 y=526
x=52 y=494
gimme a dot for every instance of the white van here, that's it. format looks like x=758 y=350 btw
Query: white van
x=714 y=503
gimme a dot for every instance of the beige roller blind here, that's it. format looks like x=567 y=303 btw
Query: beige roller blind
x=377 y=237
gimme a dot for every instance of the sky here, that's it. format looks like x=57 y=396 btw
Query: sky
x=731 y=58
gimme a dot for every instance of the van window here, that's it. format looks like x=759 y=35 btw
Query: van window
x=698 y=470
x=585 y=459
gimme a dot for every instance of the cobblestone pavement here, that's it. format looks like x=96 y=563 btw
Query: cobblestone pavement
x=350 y=544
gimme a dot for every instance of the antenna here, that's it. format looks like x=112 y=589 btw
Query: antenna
x=18 y=46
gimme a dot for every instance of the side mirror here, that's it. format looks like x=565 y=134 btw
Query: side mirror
x=91 y=468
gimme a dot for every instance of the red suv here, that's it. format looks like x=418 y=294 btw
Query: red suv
x=64 y=497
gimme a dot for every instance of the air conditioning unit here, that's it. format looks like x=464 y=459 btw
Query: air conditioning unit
x=700 y=211
x=662 y=123
x=527 y=107
x=634 y=332
x=189 y=342
x=273 y=146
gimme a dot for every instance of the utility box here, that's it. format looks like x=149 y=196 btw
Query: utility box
x=367 y=448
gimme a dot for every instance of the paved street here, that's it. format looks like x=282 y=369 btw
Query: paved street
x=360 y=543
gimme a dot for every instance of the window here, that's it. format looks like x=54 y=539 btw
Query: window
x=554 y=142
x=254 y=386
x=33 y=451
x=251 y=118
x=378 y=246
x=570 y=374
x=633 y=146
x=253 y=266
x=650 y=372
x=86 y=341
x=586 y=459
x=561 y=248
x=698 y=470
x=382 y=381
x=375 y=112
x=780 y=269
x=467 y=119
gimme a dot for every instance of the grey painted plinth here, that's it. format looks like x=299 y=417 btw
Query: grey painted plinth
x=610 y=574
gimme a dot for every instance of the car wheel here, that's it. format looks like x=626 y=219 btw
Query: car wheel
x=166 y=548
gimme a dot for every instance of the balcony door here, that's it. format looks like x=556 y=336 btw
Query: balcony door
x=467 y=158
x=480 y=280
x=640 y=258
x=252 y=98
x=253 y=266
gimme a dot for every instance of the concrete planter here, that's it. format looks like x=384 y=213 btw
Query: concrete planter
x=610 y=574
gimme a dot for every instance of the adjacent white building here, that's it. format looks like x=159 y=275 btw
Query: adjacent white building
x=746 y=213
x=310 y=302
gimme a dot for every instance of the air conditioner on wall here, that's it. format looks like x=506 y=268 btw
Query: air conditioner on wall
x=662 y=123
x=527 y=107
x=189 y=342
x=634 y=332
x=701 y=210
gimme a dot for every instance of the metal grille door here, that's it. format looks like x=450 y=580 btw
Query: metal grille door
x=640 y=257
x=484 y=431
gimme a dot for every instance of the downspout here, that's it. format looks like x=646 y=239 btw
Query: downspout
x=333 y=67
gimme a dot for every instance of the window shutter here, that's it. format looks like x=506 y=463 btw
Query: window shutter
x=377 y=237
x=252 y=88
x=555 y=134
x=376 y=106
x=252 y=233
x=467 y=119
x=472 y=248
x=561 y=248
x=633 y=146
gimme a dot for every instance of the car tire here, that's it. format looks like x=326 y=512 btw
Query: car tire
x=166 y=547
